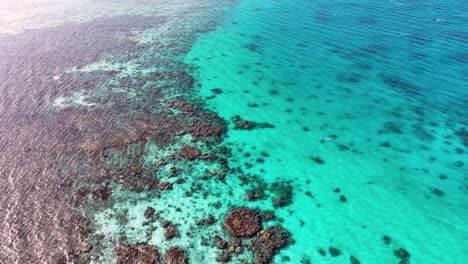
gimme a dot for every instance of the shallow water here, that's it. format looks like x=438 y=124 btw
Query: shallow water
x=388 y=81
x=359 y=142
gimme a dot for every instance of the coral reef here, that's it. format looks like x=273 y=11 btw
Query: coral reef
x=175 y=255
x=243 y=124
x=242 y=222
x=189 y=152
x=269 y=242
x=136 y=254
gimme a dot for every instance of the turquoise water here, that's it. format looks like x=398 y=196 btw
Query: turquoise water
x=344 y=122
x=389 y=80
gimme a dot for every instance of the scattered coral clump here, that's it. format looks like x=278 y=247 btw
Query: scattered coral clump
x=402 y=254
x=269 y=242
x=463 y=135
x=171 y=232
x=242 y=222
x=136 y=254
x=189 y=152
x=283 y=194
x=243 y=124
x=175 y=255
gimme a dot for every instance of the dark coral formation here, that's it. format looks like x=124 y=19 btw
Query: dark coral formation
x=217 y=90
x=207 y=130
x=189 y=152
x=165 y=224
x=318 y=160
x=207 y=221
x=171 y=232
x=334 y=252
x=437 y=192
x=165 y=185
x=400 y=84
x=283 y=194
x=267 y=215
x=322 y=252
x=149 y=212
x=403 y=255
x=463 y=135
x=255 y=194
x=269 y=242
x=391 y=128
x=354 y=260
x=243 y=124
x=136 y=254
x=224 y=257
x=222 y=244
x=101 y=193
x=349 y=77
x=280 y=202
x=387 y=240
x=175 y=255
x=242 y=222
x=343 y=199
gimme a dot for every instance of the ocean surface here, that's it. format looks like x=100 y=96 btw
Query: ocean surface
x=136 y=131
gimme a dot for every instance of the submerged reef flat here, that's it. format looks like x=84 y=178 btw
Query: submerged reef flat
x=81 y=104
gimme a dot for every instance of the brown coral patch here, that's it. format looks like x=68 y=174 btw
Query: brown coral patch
x=207 y=130
x=270 y=242
x=189 y=152
x=171 y=232
x=134 y=254
x=175 y=255
x=242 y=222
